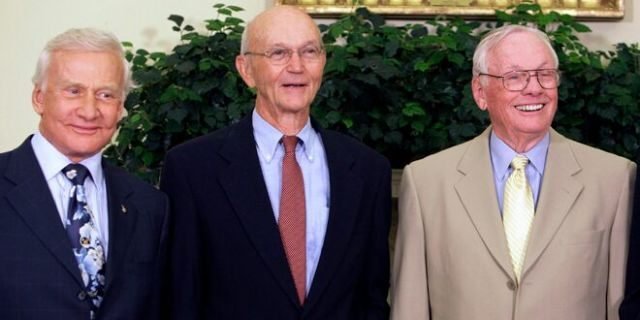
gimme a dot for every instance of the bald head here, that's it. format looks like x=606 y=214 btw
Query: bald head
x=275 y=21
x=282 y=57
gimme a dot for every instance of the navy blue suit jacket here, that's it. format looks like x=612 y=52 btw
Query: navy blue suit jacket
x=226 y=254
x=630 y=307
x=39 y=278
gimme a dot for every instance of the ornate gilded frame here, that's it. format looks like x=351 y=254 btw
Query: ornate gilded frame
x=482 y=9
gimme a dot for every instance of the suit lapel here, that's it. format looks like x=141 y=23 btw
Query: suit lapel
x=122 y=219
x=558 y=193
x=32 y=200
x=477 y=193
x=244 y=185
x=345 y=193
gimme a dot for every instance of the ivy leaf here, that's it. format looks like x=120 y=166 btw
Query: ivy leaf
x=456 y=58
x=502 y=16
x=233 y=21
x=235 y=8
x=177 y=115
x=186 y=66
x=413 y=109
x=146 y=77
x=333 y=117
x=348 y=122
x=418 y=127
x=205 y=64
x=579 y=27
x=176 y=19
x=225 y=11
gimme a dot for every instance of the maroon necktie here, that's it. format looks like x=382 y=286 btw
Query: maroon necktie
x=292 y=220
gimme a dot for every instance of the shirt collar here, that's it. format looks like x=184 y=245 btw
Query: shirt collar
x=53 y=161
x=268 y=138
x=502 y=154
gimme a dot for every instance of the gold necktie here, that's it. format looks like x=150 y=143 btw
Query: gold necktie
x=517 y=212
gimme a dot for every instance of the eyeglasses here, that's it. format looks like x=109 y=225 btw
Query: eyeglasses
x=518 y=80
x=280 y=56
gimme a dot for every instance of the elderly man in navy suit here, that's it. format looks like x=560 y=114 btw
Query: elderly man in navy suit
x=79 y=238
x=274 y=217
x=630 y=307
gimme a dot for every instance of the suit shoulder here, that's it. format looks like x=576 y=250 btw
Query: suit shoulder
x=4 y=159
x=357 y=148
x=600 y=159
x=196 y=145
x=139 y=185
x=441 y=160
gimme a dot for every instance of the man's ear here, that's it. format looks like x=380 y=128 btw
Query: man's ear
x=242 y=64
x=37 y=99
x=478 y=93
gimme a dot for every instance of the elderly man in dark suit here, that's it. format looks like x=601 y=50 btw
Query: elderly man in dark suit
x=79 y=238
x=274 y=217
x=630 y=308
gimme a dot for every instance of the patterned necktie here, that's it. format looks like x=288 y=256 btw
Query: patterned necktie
x=84 y=237
x=518 y=212
x=292 y=219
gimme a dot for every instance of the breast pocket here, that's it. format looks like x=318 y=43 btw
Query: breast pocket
x=144 y=241
x=583 y=238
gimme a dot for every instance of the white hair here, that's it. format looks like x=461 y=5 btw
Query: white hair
x=82 y=39
x=491 y=40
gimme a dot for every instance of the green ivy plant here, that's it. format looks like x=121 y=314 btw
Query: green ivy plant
x=186 y=93
x=402 y=89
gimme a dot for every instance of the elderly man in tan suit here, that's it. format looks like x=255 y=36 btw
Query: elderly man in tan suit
x=519 y=223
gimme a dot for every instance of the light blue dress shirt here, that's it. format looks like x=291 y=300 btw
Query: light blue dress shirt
x=315 y=172
x=52 y=162
x=501 y=156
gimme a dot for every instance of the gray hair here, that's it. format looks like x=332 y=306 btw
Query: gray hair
x=491 y=40
x=82 y=39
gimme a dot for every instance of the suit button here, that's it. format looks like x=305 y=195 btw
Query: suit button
x=82 y=295
x=511 y=285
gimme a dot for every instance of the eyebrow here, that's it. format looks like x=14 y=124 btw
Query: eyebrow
x=280 y=44
x=544 y=65
x=66 y=84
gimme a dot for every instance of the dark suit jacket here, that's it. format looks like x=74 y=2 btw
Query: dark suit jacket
x=39 y=278
x=630 y=308
x=226 y=255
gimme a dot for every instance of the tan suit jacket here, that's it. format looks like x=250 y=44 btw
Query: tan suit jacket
x=451 y=258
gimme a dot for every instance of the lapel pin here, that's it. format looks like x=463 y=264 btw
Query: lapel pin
x=123 y=208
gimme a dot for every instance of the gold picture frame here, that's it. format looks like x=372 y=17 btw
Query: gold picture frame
x=473 y=9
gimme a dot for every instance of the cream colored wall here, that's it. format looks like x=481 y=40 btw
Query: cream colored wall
x=25 y=25
x=605 y=34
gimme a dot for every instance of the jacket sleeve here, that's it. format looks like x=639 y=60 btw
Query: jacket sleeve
x=409 y=287
x=619 y=245
x=181 y=276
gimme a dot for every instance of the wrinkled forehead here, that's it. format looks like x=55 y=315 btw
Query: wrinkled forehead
x=288 y=27
x=520 y=50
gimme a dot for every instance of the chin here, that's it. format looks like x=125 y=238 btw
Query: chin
x=298 y=107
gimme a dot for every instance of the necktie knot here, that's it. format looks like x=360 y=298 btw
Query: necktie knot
x=76 y=173
x=289 y=143
x=519 y=162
